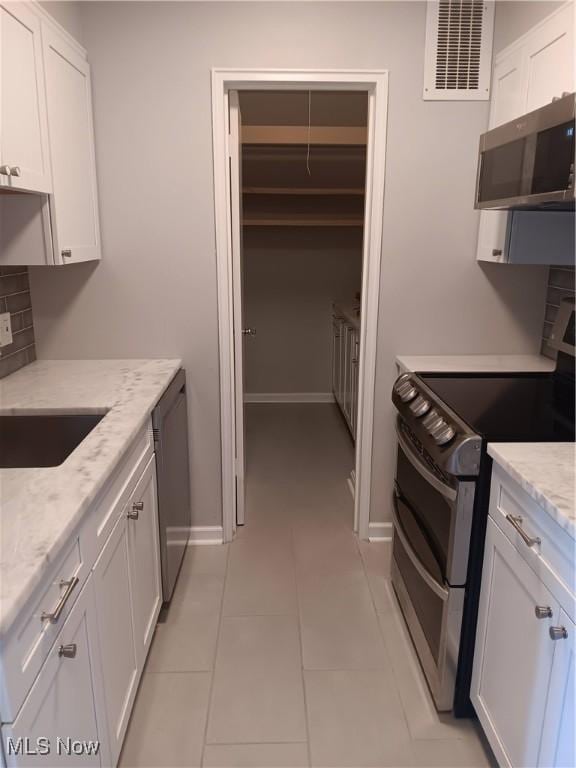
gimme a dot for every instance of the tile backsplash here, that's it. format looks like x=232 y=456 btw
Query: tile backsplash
x=560 y=284
x=15 y=298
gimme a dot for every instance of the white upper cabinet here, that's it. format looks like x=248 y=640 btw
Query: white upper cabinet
x=549 y=53
x=508 y=88
x=24 y=152
x=74 y=203
x=46 y=142
x=527 y=75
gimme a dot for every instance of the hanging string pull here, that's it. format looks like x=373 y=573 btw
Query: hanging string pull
x=309 y=123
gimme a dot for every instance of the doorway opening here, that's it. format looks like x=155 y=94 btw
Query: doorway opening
x=299 y=176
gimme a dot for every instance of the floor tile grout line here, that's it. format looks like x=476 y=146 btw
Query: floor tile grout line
x=306 y=713
x=218 y=633
x=393 y=673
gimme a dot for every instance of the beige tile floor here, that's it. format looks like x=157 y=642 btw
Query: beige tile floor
x=286 y=648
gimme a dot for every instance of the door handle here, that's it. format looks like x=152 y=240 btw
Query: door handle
x=55 y=615
x=248 y=331
x=516 y=523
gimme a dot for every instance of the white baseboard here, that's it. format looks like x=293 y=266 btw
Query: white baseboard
x=206 y=534
x=380 y=532
x=288 y=397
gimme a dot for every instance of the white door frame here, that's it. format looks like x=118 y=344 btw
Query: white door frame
x=375 y=84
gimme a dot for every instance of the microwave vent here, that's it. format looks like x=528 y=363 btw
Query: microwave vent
x=458 y=51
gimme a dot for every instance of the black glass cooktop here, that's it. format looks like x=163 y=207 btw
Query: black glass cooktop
x=509 y=408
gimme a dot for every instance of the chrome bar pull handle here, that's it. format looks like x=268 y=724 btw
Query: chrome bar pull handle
x=558 y=633
x=516 y=523
x=57 y=612
x=543 y=612
x=68 y=651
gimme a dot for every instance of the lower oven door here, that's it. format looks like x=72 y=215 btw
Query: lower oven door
x=432 y=609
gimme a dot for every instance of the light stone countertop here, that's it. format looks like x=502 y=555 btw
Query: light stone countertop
x=475 y=363
x=546 y=472
x=40 y=508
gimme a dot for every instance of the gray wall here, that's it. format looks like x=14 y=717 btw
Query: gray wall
x=514 y=18
x=560 y=286
x=292 y=276
x=154 y=294
x=66 y=13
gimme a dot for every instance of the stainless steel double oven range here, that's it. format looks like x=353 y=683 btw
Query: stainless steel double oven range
x=440 y=503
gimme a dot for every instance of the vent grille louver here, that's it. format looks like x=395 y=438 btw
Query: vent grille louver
x=458 y=49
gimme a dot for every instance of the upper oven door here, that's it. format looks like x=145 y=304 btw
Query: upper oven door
x=442 y=510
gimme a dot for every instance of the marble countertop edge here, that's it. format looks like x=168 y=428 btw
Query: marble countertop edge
x=126 y=392
x=546 y=471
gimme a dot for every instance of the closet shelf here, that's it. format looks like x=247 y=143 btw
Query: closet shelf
x=356 y=191
x=291 y=219
x=301 y=134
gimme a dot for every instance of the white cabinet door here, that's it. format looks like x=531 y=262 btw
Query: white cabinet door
x=550 y=59
x=144 y=549
x=335 y=354
x=62 y=704
x=347 y=393
x=74 y=204
x=508 y=88
x=354 y=380
x=116 y=636
x=24 y=153
x=558 y=749
x=514 y=652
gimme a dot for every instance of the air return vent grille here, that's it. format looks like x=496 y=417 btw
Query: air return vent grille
x=458 y=51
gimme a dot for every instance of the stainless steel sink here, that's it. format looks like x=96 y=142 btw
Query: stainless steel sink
x=42 y=441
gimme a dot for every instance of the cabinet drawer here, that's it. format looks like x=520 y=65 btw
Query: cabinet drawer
x=108 y=507
x=552 y=558
x=63 y=705
x=29 y=643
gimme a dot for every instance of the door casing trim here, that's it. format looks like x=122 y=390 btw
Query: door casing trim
x=375 y=84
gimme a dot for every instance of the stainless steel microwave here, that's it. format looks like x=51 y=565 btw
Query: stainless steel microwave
x=529 y=162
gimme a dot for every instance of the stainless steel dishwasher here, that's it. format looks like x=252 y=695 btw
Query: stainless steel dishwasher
x=170 y=426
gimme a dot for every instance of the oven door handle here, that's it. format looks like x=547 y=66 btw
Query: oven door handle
x=437 y=588
x=445 y=490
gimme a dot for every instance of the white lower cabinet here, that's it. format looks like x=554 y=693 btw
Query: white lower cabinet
x=345 y=351
x=77 y=684
x=557 y=748
x=524 y=664
x=61 y=720
x=514 y=652
x=143 y=546
x=116 y=633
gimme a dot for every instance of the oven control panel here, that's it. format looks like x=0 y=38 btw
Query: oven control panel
x=450 y=440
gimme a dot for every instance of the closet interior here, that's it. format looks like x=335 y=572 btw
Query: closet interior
x=303 y=193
